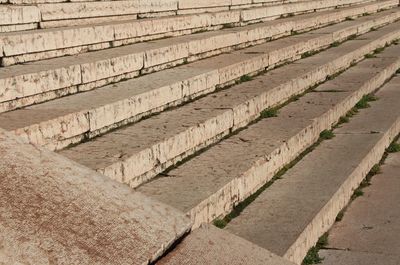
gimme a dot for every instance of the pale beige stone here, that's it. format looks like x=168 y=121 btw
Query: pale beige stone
x=202 y=10
x=60 y=11
x=119 y=109
x=18 y=27
x=190 y=4
x=11 y=15
x=37 y=41
x=52 y=43
x=19 y=82
x=85 y=21
x=135 y=161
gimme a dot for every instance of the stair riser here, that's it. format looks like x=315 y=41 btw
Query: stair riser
x=27 y=89
x=50 y=44
x=18 y=18
x=223 y=201
x=324 y=220
x=77 y=126
x=56 y=15
x=151 y=161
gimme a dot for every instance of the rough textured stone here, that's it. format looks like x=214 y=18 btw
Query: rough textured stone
x=290 y=216
x=55 y=211
x=210 y=184
x=60 y=11
x=212 y=246
x=128 y=101
x=101 y=67
x=20 y=47
x=10 y=15
x=367 y=234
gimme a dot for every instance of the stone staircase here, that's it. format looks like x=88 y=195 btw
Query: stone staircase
x=207 y=110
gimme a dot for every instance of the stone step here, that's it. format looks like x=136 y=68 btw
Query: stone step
x=64 y=14
x=56 y=211
x=42 y=44
x=72 y=119
x=44 y=80
x=368 y=232
x=13 y=18
x=289 y=216
x=213 y=246
x=213 y=182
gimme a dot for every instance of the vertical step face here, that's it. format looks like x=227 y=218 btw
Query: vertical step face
x=60 y=14
x=48 y=43
x=210 y=245
x=70 y=119
x=150 y=146
x=13 y=18
x=54 y=210
x=290 y=216
x=210 y=184
x=29 y=84
x=142 y=150
x=371 y=218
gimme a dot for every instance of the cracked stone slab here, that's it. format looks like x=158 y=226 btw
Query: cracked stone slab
x=53 y=210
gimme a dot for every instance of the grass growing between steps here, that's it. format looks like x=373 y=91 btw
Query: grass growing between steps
x=269 y=113
x=313 y=255
x=221 y=87
x=324 y=135
x=393 y=148
x=364 y=102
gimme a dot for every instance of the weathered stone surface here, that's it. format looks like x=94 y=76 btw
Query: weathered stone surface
x=114 y=104
x=334 y=257
x=263 y=13
x=102 y=67
x=190 y=4
x=20 y=47
x=55 y=211
x=10 y=15
x=210 y=184
x=367 y=234
x=290 y=216
x=212 y=246
x=60 y=11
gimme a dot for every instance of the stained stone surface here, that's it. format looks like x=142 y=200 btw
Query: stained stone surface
x=212 y=246
x=54 y=211
x=368 y=232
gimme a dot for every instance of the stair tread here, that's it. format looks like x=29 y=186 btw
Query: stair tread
x=32 y=78
x=208 y=245
x=134 y=48
x=193 y=182
x=123 y=143
x=122 y=90
x=281 y=213
x=370 y=218
x=124 y=22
